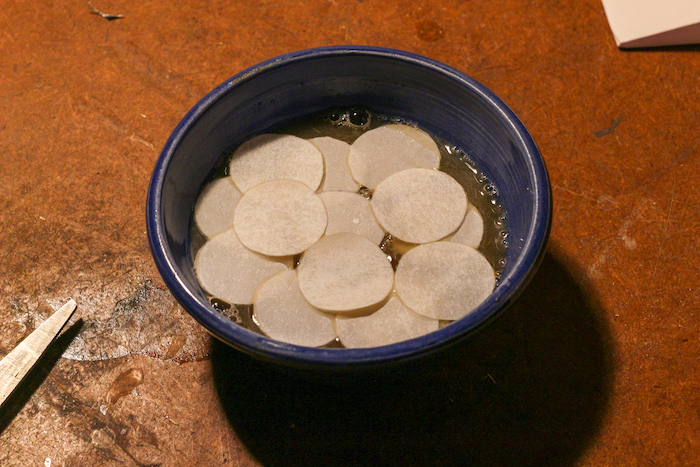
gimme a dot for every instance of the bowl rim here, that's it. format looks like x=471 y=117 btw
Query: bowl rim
x=509 y=289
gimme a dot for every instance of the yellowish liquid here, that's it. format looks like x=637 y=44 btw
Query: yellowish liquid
x=347 y=125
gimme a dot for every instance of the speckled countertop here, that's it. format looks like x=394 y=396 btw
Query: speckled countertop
x=598 y=363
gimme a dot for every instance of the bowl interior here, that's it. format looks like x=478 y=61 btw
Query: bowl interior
x=442 y=101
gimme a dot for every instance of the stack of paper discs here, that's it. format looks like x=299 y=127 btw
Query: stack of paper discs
x=287 y=197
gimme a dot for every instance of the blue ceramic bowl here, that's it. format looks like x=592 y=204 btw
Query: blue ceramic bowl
x=440 y=99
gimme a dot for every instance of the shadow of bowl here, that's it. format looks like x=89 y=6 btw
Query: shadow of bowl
x=530 y=389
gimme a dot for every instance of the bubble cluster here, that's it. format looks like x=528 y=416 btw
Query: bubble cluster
x=356 y=117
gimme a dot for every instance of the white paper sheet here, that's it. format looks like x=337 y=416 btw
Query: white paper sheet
x=652 y=23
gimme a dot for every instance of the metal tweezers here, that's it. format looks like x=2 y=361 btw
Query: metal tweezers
x=16 y=364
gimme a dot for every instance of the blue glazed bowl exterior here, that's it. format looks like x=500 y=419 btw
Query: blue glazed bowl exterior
x=443 y=101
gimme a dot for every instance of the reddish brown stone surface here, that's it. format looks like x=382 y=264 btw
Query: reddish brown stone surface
x=596 y=365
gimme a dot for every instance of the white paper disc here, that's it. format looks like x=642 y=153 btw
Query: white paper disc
x=472 y=229
x=419 y=205
x=283 y=314
x=351 y=212
x=418 y=135
x=381 y=152
x=273 y=157
x=229 y=271
x=345 y=272
x=335 y=155
x=392 y=323
x=444 y=280
x=213 y=212
x=280 y=218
